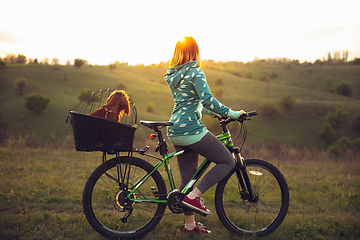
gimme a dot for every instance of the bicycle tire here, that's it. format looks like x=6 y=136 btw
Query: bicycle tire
x=102 y=193
x=259 y=218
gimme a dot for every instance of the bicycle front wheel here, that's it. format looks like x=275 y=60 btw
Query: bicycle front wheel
x=106 y=207
x=265 y=213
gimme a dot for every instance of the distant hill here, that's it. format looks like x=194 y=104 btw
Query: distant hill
x=313 y=87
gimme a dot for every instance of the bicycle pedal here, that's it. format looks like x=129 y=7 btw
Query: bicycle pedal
x=195 y=211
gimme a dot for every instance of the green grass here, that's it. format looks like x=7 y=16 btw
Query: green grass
x=41 y=195
x=145 y=84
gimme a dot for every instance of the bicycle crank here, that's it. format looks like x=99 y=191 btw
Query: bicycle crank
x=174 y=201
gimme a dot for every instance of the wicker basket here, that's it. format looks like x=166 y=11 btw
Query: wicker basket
x=98 y=134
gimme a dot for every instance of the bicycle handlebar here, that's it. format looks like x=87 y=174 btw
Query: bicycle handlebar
x=248 y=114
x=243 y=117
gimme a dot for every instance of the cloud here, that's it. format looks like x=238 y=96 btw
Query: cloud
x=6 y=37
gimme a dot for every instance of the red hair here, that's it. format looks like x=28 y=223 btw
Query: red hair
x=185 y=50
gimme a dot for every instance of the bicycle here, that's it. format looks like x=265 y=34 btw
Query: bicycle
x=126 y=197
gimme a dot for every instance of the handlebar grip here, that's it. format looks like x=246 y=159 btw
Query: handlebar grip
x=248 y=114
x=252 y=113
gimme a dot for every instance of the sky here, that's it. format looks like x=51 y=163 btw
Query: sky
x=145 y=32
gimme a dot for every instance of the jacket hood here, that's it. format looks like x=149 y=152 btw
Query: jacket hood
x=174 y=75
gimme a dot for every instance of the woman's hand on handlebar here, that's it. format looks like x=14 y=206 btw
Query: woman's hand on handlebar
x=242 y=112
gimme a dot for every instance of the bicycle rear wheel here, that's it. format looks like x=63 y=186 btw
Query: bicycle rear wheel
x=103 y=198
x=261 y=216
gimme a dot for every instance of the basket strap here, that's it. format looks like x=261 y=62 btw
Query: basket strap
x=107 y=111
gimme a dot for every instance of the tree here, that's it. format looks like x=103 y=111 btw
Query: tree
x=21 y=59
x=79 y=62
x=356 y=61
x=355 y=122
x=264 y=77
x=150 y=107
x=268 y=109
x=329 y=58
x=2 y=64
x=329 y=79
x=20 y=85
x=287 y=101
x=36 y=102
x=45 y=61
x=112 y=66
x=10 y=58
x=344 y=89
x=121 y=86
x=327 y=133
x=84 y=95
x=333 y=118
x=55 y=61
x=249 y=74
x=345 y=55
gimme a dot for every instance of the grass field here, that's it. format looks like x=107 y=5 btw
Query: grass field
x=42 y=177
x=41 y=195
x=314 y=94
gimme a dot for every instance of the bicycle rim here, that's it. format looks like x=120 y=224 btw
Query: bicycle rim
x=104 y=191
x=261 y=217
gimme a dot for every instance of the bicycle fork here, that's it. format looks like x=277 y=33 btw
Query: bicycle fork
x=246 y=189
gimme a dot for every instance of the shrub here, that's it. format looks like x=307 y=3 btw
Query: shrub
x=2 y=64
x=264 y=78
x=84 y=95
x=121 y=86
x=334 y=117
x=112 y=66
x=268 y=109
x=329 y=79
x=20 y=85
x=344 y=89
x=327 y=133
x=150 y=107
x=249 y=74
x=355 y=122
x=79 y=62
x=287 y=101
x=274 y=75
x=36 y=102
x=342 y=144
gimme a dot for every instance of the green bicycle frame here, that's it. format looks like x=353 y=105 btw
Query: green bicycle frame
x=225 y=138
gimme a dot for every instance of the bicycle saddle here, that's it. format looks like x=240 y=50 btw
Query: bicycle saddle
x=153 y=125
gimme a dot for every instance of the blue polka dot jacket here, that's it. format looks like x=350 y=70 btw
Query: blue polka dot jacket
x=192 y=97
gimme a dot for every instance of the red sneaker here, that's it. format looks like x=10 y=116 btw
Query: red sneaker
x=199 y=228
x=196 y=204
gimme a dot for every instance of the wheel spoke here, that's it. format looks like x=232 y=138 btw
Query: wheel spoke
x=106 y=206
x=265 y=213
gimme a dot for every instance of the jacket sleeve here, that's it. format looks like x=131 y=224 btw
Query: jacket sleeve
x=207 y=99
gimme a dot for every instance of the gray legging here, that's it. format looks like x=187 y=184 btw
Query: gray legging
x=212 y=149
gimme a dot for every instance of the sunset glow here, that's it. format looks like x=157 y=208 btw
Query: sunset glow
x=147 y=31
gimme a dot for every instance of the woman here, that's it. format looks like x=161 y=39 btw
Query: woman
x=192 y=97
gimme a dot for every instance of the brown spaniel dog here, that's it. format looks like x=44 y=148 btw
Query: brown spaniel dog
x=116 y=105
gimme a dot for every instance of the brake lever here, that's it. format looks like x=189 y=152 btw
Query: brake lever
x=241 y=120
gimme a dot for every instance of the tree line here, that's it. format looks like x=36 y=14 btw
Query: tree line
x=339 y=57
